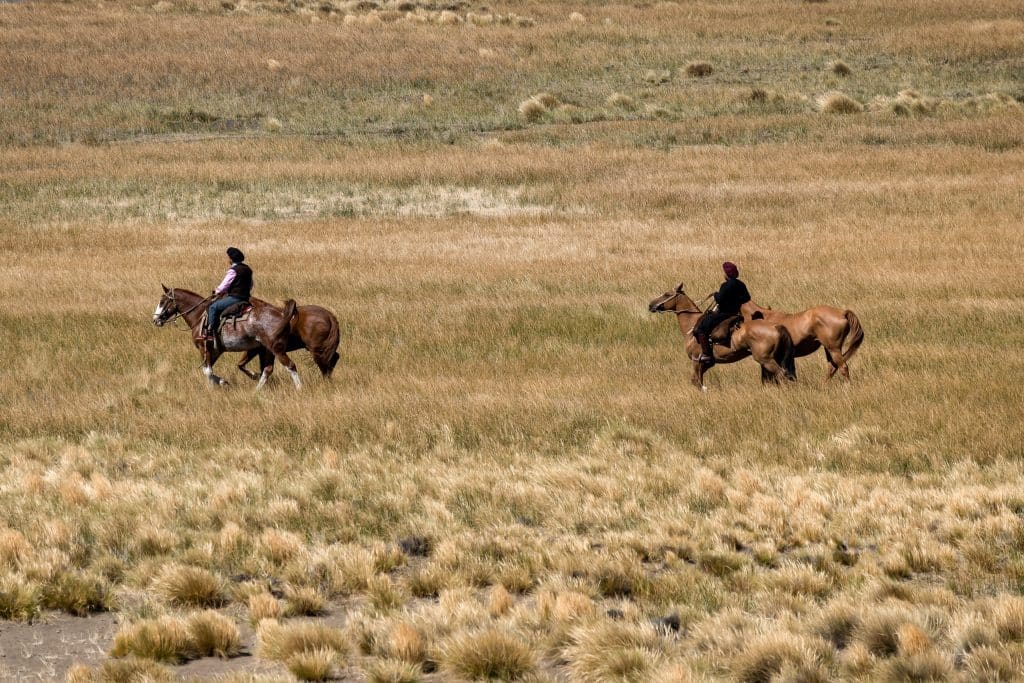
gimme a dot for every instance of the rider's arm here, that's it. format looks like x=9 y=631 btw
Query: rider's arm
x=226 y=282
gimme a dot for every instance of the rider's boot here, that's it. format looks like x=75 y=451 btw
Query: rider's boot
x=707 y=353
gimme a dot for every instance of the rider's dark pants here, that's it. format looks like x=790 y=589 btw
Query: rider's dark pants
x=216 y=308
x=708 y=323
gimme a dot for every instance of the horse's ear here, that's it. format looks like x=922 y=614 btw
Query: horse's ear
x=679 y=288
x=165 y=287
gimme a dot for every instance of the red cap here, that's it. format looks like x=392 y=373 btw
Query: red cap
x=730 y=269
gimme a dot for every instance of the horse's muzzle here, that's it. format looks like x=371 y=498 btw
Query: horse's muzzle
x=654 y=309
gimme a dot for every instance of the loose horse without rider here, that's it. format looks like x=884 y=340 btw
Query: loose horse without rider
x=768 y=343
x=313 y=328
x=824 y=327
x=263 y=327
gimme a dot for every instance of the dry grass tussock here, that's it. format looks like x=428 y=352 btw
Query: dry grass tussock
x=838 y=103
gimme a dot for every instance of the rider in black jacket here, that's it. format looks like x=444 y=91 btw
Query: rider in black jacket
x=235 y=288
x=728 y=299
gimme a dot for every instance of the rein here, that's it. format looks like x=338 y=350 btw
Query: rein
x=181 y=314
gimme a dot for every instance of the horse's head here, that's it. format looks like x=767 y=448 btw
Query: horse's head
x=674 y=301
x=166 y=309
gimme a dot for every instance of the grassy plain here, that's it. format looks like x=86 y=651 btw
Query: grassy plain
x=509 y=475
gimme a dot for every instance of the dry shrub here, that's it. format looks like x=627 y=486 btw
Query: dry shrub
x=130 y=670
x=279 y=546
x=485 y=19
x=836 y=624
x=272 y=124
x=1008 y=618
x=427 y=582
x=879 y=631
x=280 y=643
x=799 y=579
x=78 y=593
x=839 y=103
x=577 y=18
x=990 y=664
x=165 y=639
x=565 y=606
x=765 y=657
x=912 y=640
x=19 y=600
x=386 y=557
x=991 y=103
x=428 y=100
x=214 y=634
x=152 y=540
x=492 y=653
x=538 y=105
x=698 y=69
x=304 y=602
x=499 y=602
x=924 y=666
x=657 y=77
x=448 y=18
x=612 y=650
x=972 y=633
x=621 y=101
x=318 y=664
x=405 y=642
x=14 y=549
x=392 y=671
x=840 y=68
x=263 y=606
x=385 y=594
x=190 y=586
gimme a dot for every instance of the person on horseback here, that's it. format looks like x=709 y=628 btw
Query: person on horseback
x=235 y=288
x=728 y=299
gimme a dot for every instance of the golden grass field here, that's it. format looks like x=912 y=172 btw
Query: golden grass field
x=510 y=475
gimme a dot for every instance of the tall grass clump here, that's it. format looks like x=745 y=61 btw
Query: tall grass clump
x=491 y=653
x=838 y=103
x=190 y=586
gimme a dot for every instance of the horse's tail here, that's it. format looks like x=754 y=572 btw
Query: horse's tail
x=327 y=355
x=785 y=353
x=284 y=329
x=855 y=333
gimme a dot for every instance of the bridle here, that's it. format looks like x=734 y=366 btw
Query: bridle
x=678 y=313
x=178 y=313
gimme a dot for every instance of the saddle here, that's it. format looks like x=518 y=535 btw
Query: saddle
x=232 y=315
x=722 y=332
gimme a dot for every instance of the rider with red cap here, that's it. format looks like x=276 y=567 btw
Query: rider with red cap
x=728 y=299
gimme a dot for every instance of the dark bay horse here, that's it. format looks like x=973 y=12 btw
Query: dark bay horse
x=265 y=327
x=819 y=327
x=313 y=328
x=768 y=343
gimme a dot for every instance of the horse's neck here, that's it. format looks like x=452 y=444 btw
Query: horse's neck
x=189 y=300
x=686 y=322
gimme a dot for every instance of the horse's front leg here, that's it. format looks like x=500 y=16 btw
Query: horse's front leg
x=209 y=359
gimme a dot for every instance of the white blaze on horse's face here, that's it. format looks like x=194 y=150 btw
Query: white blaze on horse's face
x=158 y=312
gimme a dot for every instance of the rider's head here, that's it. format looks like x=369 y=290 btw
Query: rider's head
x=731 y=270
x=235 y=254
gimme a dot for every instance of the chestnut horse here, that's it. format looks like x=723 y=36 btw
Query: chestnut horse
x=769 y=344
x=265 y=327
x=819 y=327
x=313 y=328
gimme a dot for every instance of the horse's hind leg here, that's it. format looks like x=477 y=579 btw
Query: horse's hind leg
x=266 y=367
x=246 y=359
x=836 y=362
x=289 y=365
x=776 y=372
